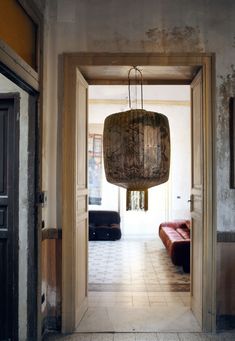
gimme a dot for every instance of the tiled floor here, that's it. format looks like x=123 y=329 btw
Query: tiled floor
x=134 y=266
x=136 y=294
x=133 y=286
x=144 y=337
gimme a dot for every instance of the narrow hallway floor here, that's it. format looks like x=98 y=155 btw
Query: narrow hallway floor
x=134 y=287
x=143 y=337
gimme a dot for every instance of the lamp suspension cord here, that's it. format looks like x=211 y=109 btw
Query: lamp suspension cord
x=141 y=85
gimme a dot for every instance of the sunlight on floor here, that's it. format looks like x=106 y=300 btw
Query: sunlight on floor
x=133 y=286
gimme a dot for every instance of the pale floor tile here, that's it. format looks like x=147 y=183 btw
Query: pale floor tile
x=140 y=299
x=177 y=304
x=93 y=305
x=186 y=301
x=184 y=294
x=167 y=337
x=141 y=305
x=140 y=294
x=229 y=336
x=142 y=337
x=156 y=293
x=107 y=299
x=103 y=295
x=158 y=304
x=139 y=319
x=81 y=337
x=173 y=294
x=173 y=299
x=123 y=299
x=95 y=320
x=124 y=337
x=146 y=337
x=189 y=337
x=110 y=304
x=124 y=304
x=213 y=337
x=157 y=299
x=102 y=337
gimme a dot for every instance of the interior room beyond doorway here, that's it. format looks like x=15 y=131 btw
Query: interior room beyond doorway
x=133 y=285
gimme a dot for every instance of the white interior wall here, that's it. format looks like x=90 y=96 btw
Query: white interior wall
x=7 y=86
x=169 y=200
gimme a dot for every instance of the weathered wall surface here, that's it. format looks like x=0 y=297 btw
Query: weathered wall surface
x=149 y=26
x=152 y=26
x=40 y=4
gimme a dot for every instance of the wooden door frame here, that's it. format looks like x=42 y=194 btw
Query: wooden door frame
x=70 y=63
x=19 y=72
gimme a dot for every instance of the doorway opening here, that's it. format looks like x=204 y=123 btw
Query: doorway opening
x=133 y=284
x=110 y=69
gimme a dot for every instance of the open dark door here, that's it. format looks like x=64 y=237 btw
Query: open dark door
x=9 y=187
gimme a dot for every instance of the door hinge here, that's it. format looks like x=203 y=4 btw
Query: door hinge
x=42 y=198
x=191 y=202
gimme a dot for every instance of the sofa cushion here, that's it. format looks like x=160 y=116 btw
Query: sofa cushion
x=183 y=232
x=104 y=217
x=176 y=224
x=104 y=233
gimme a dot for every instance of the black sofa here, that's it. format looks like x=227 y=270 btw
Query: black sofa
x=104 y=225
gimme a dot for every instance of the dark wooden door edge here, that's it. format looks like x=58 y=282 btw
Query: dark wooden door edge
x=13 y=253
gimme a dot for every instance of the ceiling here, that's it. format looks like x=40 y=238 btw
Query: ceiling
x=151 y=74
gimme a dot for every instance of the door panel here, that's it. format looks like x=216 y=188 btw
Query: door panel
x=8 y=219
x=74 y=199
x=197 y=197
x=81 y=235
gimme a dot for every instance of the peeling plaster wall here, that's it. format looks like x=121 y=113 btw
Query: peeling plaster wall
x=152 y=26
x=40 y=4
x=7 y=86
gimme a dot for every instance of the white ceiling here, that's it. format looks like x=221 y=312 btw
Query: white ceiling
x=150 y=92
x=105 y=100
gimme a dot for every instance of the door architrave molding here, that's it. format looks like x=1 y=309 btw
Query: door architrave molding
x=72 y=62
x=19 y=72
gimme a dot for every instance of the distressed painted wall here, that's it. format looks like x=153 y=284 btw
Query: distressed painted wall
x=149 y=26
x=40 y=4
x=152 y=26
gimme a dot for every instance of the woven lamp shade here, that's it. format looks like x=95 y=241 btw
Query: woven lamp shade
x=136 y=146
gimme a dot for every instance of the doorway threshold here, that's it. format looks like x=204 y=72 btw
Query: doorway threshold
x=173 y=318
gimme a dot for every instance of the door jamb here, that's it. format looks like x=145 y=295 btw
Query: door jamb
x=72 y=61
x=15 y=69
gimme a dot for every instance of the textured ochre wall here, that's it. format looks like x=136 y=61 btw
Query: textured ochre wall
x=18 y=30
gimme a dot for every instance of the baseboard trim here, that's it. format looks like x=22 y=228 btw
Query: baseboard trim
x=225 y=322
x=225 y=236
x=51 y=323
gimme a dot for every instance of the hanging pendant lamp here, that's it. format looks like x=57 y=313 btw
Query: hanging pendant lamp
x=136 y=147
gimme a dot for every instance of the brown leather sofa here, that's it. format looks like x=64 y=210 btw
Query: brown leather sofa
x=175 y=235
